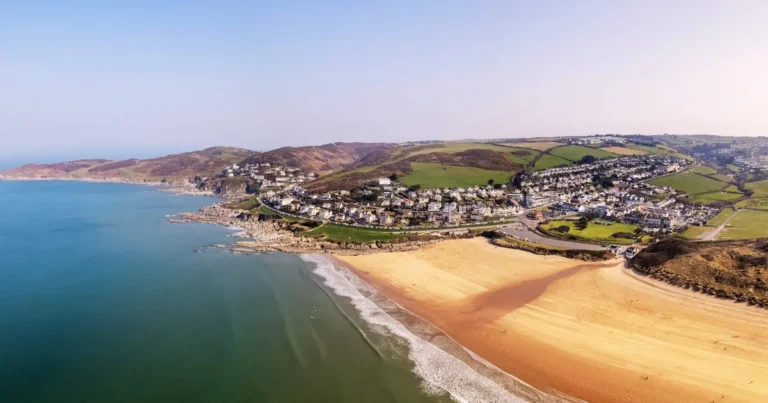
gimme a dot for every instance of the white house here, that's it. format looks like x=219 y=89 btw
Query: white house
x=384 y=182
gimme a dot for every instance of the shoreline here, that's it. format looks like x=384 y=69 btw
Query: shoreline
x=592 y=331
x=441 y=362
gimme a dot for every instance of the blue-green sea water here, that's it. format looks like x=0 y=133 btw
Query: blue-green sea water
x=102 y=300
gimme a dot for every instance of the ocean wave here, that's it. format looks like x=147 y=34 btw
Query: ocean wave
x=439 y=370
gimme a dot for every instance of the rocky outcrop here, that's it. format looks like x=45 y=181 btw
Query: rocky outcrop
x=281 y=236
x=229 y=187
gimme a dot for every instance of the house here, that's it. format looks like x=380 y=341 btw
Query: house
x=434 y=207
x=384 y=182
x=385 y=219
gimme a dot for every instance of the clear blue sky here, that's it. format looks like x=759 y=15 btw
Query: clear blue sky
x=82 y=79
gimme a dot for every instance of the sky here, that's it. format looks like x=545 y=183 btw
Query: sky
x=89 y=79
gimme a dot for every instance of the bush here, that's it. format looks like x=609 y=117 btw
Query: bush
x=625 y=235
x=562 y=228
x=587 y=159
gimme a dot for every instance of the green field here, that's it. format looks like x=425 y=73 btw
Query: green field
x=733 y=168
x=759 y=188
x=746 y=224
x=688 y=182
x=549 y=161
x=593 y=232
x=695 y=232
x=757 y=203
x=433 y=175
x=714 y=197
x=575 y=153
x=720 y=218
x=660 y=150
x=703 y=170
x=341 y=233
x=732 y=189
x=721 y=177
x=710 y=172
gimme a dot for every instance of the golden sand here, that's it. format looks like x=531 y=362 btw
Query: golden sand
x=593 y=331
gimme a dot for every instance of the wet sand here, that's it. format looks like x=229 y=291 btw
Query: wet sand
x=593 y=331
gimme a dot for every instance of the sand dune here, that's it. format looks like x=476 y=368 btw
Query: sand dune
x=593 y=331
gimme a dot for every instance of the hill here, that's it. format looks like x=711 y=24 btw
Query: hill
x=324 y=159
x=434 y=165
x=734 y=269
x=171 y=167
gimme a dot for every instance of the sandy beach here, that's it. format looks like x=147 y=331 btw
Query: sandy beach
x=594 y=331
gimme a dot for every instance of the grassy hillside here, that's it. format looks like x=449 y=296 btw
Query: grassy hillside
x=549 y=161
x=733 y=270
x=759 y=188
x=576 y=153
x=689 y=182
x=623 y=151
x=535 y=145
x=431 y=175
x=434 y=164
x=322 y=159
x=660 y=150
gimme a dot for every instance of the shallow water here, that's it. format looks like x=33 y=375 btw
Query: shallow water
x=102 y=300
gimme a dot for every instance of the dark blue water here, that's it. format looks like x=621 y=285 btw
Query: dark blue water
x=102 y=300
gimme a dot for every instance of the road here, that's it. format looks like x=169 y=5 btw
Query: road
x=711 y=235
x=524 y=233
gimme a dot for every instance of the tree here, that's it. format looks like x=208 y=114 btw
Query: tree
x=393 y=177
x=497 y=186
x=563 y=228
x=414 y=188
x=582 y=223
x=587 y=159
x=490 y=182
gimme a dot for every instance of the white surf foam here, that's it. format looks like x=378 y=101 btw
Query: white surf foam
x=439 y=370
x=239 y=232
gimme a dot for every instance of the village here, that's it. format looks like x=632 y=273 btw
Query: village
x=611 y=190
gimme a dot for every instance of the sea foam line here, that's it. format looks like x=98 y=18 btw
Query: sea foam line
x=439 y=370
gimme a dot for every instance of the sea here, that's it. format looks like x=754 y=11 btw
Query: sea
x=103 y=300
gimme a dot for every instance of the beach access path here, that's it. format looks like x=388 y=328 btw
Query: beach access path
x=712 y=234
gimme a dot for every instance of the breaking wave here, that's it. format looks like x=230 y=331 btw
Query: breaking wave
x=440 y=371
